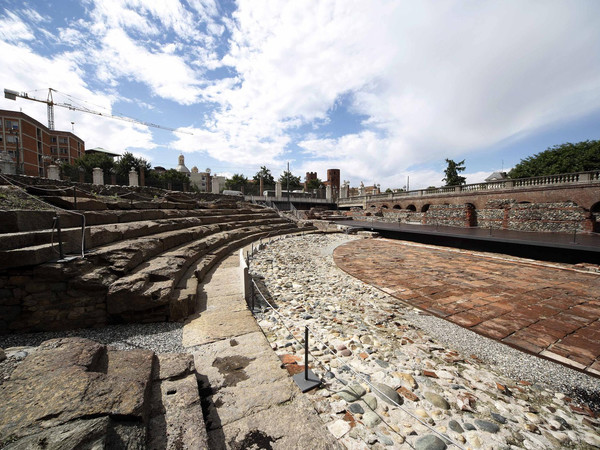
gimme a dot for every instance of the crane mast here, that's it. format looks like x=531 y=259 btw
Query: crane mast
x=50 y=108
x=12 y=95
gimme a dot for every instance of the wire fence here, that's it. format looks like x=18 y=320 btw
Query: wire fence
x=286 y=319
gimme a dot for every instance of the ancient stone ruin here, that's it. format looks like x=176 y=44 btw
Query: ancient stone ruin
x=144 y=256
x=76 y=393
x=146 y=253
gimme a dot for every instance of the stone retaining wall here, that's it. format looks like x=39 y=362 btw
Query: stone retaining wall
x=46 y=298
x=554 y=217
x=507 y=214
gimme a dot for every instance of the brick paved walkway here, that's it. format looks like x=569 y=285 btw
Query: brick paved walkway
x=544 y=310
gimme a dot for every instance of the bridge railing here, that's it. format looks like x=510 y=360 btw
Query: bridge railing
x=517 y=183
x=292 y=198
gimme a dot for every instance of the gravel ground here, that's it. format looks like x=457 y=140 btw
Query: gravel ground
x=514 y=363
x=159 y=337
x=500 y=357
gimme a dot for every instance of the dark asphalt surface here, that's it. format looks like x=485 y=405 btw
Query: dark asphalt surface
x=566 y=247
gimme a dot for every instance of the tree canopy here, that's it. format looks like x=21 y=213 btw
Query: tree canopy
x=238 y=182
x=294 y=181
x=314 y=184
x=452 y=177
x=564 y=158
x=266 y=176
x=127 y=162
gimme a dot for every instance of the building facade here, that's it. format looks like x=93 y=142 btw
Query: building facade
x=33 y=146
x=202 y=180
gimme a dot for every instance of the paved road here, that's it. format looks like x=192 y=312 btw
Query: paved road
x=541 y=308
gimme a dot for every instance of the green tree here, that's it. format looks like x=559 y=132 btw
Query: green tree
x=87 y=162
x=314 y=184
x=238 y=182
x=452 y=177
x=389 y=191
x=294 y=181
x=564 y=158
x=174 y=176
x=266 y=175
x=127 y=162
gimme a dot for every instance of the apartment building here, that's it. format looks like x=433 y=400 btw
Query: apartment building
x=32 y=146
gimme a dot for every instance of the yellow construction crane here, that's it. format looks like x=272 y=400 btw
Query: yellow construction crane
x=12 y=95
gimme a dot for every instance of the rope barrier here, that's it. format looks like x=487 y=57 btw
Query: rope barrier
x=357 y=374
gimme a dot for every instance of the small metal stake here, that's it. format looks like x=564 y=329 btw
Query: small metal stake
x=307 y=380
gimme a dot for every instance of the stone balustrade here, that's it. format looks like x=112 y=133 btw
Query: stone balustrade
x=518 y=183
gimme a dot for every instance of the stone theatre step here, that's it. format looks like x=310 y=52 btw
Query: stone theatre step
x=30 y=248
x=151 y=285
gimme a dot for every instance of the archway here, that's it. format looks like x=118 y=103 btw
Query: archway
x=411 y=208
x=471 y=215
x=397 y=207
x=595 y=213
x=425 y=207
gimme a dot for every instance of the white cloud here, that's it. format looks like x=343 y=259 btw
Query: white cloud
x=166 y=74
x=13 y=29
x=434 y=80
x=31 y=70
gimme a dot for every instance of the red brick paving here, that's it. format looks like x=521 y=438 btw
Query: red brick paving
x=549 y=311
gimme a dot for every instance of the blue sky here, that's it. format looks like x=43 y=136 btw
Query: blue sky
x=382 y=90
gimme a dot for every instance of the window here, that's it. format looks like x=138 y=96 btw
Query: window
x=12 y=125
x=63 y=151
x=53 y=139
x=53 y=150
x=62 y=140
x=39 y=134
x=11 y=139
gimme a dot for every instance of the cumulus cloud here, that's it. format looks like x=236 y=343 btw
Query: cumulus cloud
x=13 y=29
x=271 y=81
x=433 y=80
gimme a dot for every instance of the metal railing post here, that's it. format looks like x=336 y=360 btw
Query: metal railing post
x=60 y=247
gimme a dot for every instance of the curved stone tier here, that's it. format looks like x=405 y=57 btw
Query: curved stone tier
x=140 y=265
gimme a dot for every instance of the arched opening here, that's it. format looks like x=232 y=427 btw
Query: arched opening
x=425 y=207
x=397 y=207
x=385 y=207
x=471 y=215
x=368 y=214
x=411 y=208
x=595 y=213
